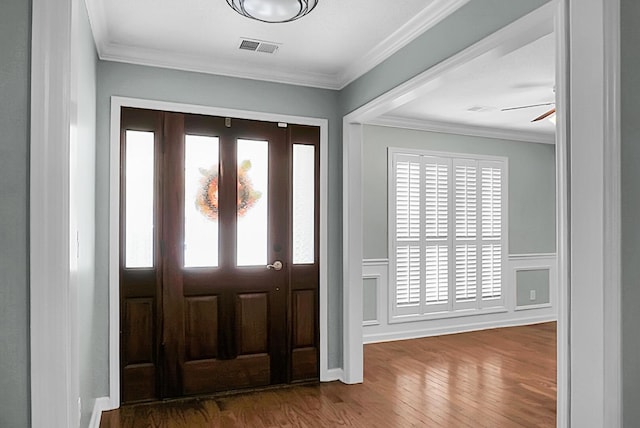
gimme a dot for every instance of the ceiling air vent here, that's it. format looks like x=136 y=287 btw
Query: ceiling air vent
x=258 y=46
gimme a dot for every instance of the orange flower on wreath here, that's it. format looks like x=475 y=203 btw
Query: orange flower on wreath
x=207 y=197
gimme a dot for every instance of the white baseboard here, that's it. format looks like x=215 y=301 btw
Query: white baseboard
x=333 y=374
x=437 y=331
x=102 y=404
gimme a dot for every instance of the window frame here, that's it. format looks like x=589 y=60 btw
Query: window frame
x=451 y=308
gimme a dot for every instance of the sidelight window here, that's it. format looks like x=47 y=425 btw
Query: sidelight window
x=139 y=200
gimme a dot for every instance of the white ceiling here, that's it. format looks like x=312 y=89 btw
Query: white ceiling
x=475 y=93
x=339 y=41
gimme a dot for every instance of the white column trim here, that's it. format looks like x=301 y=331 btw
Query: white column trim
x=594 y=121
x=54 y=377
x=561 y=24
x=353 y=364
x=612 y=218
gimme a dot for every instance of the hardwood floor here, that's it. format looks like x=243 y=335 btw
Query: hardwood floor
x=493 y=378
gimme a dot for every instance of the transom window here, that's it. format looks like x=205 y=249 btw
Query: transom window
x=447 y=227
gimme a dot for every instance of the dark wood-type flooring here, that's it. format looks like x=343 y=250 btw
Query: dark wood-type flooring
x=493 y=378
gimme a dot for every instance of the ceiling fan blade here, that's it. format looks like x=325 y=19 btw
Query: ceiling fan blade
x=544 y=115
x=527 y=106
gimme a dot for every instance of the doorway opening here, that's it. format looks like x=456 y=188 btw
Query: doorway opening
x=552 y=264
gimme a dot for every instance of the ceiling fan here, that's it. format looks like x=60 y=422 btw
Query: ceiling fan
x=544 y=115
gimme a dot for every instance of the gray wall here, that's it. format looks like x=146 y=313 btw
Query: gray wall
x=15 y=29
x=84 y=188
x=531 y=184
x=630 y=88
x=194 y=88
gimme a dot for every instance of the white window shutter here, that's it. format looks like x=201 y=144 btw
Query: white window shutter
x=492 y=225
x=491 y=271
x=436 y=274
x=466 y=200
x=436 y=210
x=466 y=272
x=408 y=275
x=491 y=202
x=436 y=199
x=408 y=199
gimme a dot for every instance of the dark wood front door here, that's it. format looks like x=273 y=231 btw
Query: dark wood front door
x=219 y=254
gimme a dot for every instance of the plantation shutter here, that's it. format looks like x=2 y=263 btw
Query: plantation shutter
x=447 y=243
x=436 y=219
x=466 y=224
x=492 y=184
x=407 y=171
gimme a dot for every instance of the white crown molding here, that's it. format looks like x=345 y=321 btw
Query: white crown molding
x=200 y=64
x=98 y=22
x=431 y=15
x=463 y=129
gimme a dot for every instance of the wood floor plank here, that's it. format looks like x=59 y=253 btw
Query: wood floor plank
x=492 y=378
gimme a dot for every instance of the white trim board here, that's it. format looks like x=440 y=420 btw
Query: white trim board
x=102 y=404
x=525 y=29
x=593 y=117
x=532 y=256
x=613 y=375
x=378 y=269
x=462 y=328
x=431 y=15
x=54 y=373
x=333 y=375
x=114 y=208
x=463 y=129
x=563 y=344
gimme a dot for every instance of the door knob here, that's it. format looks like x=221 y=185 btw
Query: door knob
x=277 y=265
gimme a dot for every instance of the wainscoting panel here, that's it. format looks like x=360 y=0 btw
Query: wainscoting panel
x=535 y=280
x=375 y=279
x=527 y=276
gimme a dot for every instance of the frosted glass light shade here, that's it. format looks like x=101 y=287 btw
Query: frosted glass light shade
x=273 y=10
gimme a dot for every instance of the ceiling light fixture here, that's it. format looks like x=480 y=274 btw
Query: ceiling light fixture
x=273 y=11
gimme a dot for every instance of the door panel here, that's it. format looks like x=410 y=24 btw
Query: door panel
x=211 y=315
x=140 y=360
x=201 y=327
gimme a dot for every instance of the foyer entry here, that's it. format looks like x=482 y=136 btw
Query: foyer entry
x=219 y=254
